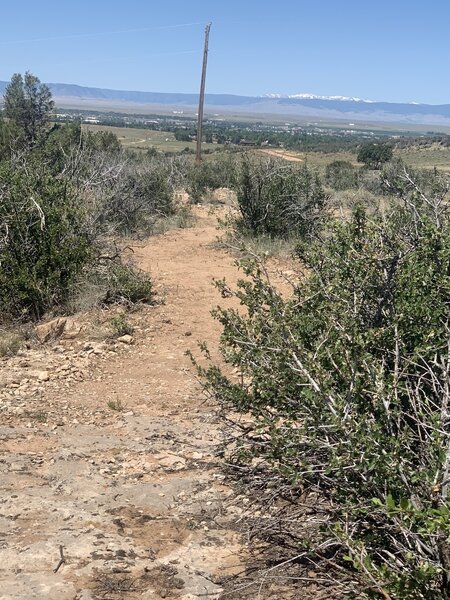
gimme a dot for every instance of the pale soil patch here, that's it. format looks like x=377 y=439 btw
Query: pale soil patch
x=284 y=154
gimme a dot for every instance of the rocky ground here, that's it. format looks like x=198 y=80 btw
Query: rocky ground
x=110 y=483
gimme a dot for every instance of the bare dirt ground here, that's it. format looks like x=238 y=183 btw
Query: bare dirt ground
x=107 y=449
x=284 y=154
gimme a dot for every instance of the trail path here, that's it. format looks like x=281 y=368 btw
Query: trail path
x=134 y=497
x=284 y=154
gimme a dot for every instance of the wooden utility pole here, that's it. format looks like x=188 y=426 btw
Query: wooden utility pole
x=201 y=102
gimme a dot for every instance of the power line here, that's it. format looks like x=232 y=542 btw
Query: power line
x=99 y=33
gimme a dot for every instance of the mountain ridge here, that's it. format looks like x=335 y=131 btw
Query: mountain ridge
x=294 y=105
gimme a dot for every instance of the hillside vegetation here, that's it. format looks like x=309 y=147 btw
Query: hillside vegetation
x=336 y=412
x=66 y=198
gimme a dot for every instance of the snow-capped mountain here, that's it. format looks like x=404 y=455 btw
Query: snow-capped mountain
x=306 y=96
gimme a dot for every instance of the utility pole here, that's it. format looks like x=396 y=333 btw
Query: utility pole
x=198 y=158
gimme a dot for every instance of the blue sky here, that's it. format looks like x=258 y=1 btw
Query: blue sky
x=395 y=50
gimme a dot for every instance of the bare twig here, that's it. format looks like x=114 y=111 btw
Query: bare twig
x=62 y=560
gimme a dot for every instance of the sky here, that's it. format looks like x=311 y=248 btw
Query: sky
x=396 y=50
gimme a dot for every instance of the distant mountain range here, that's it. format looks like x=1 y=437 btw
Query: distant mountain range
x=309 y=106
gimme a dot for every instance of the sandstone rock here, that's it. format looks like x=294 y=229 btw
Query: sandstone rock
x=72 y=329
x=18 y=467
x=50 y=330
x=39 y=375
x=172 y=462
x=98 y=349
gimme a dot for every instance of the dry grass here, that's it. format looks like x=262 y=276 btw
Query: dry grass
x=10 y=343
x=261 y=246
x=428 y=158
x=144 y=139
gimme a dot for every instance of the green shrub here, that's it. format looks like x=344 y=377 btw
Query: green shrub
x=121 y=326
x=43 y=246
x=375 y=154
x=116 y=404
x=10 y=343
x=414 y=185
x=341 y=175
x=68 y=141
x=11 y=138
x=64 y=194
x=279 y=199
x=142 y=194
x=212 y=174
x=347 y=386
x=127 y=285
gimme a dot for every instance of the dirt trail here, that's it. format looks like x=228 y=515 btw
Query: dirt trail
x=284 y=154
x=135 y=497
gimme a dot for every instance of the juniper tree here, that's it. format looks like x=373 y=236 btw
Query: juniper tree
x=28 y=103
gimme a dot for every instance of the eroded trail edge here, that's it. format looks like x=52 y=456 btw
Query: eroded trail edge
x=133 y=499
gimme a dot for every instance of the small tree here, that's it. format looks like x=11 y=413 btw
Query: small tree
x=373 y=154
x=28 y=103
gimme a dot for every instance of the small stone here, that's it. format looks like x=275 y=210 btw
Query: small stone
x=172 y=462
x=17 y=467
x=125 y=339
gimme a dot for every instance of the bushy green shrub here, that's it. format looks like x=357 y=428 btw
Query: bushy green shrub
x=279 y=199
x=414 y=185
x=126 y=193
x=11 y=138
x=64 y=194
x=60 y=202
x=121 y=326
x=43 y=246
x=142 y=194
x=341 y=175
x=212 y=174
x=67 y=146
x=347 y=385
x=127 y=285
x=375 y=154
